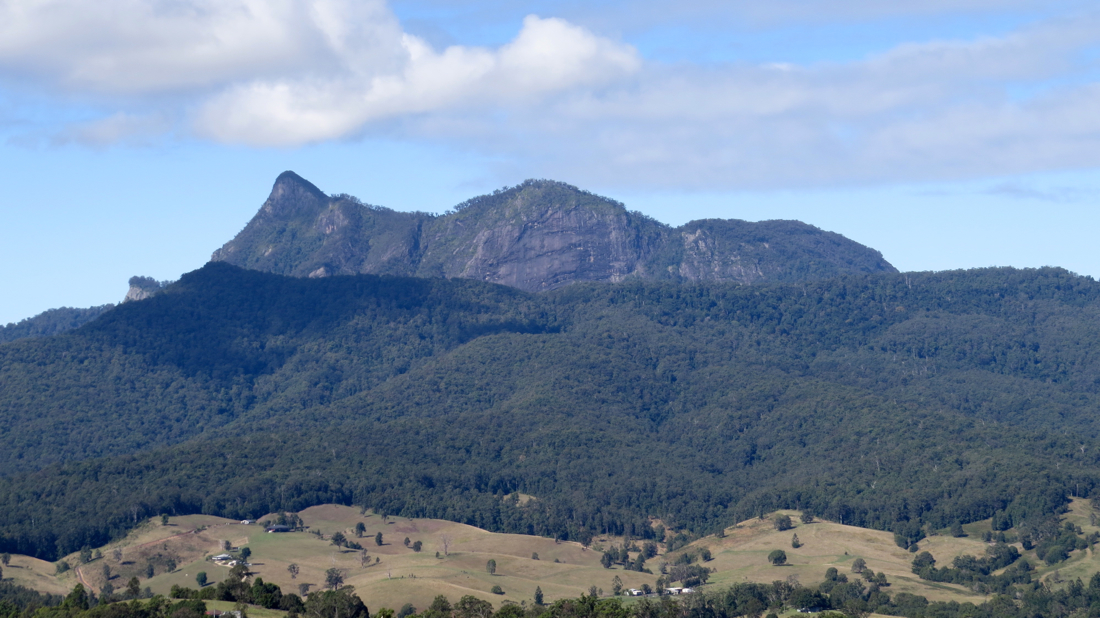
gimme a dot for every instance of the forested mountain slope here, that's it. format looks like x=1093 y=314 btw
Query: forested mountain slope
x=539 y=235
x=879 y=400
x=51 y=322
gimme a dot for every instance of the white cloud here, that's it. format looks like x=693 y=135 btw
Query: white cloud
x=548 y=55
x=561 y=100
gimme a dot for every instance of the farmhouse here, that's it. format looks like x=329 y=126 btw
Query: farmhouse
x=278 y=528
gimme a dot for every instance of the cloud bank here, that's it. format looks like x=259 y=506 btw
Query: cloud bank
x=560 y=99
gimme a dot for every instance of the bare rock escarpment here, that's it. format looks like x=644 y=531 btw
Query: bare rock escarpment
x=538 y=235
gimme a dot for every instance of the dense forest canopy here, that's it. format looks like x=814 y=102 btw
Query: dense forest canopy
x=888 y=400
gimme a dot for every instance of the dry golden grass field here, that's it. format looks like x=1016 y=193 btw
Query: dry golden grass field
x=393 y=574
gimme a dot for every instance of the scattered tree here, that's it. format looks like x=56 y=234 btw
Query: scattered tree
x=164 y=519
x=334 y=578
x=406 y=610
x=292 y=568
x=593 y=591
x=497 y=590
x=303 y=589
x=106 y=572
x=491 y=566
x=858 y=565
x=378 y=539
x=338 y=539
x=407 y=541
x=807 y=517
x=534 y=555
x=795 y=543
x=170 y=564
x=782 y=522
x=538 y=595
x=417 y=545
x=616 y=585
x=226 y=545
x=200 y=579
x=133 y=588
x=957 y=530
x=778 y=557
x=150 y=571
x=605 y=560
x=445 y=541
x=246 y=553
x=61 y=567
x=85 y=554
x=116 y=553
x=360 y=529
x=705 y=554
x=5 y=558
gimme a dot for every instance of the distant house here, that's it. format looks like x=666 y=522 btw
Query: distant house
x=634 y=592
x=279 y=528
x=674 y=590
x=222 y=557
x=246 y=521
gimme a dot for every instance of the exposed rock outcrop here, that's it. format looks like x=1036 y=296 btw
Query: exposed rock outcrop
x=539 y=235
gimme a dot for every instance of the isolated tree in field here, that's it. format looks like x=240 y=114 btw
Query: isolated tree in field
x=778 y=557
x=782 y=522
x=378 y=539
x=246 y=553
x=957 y=530
x=303 y=589
x=5 y=558
x=858 y=565
x=364 y=559
x=116 y=553
x=795 y=543
x=164 y=519
x=1 y=573
x=616 y=586
x=534 y=555
x=292 y=568
x=85 y=554
x=417 y=545
x=538 y=595
x=705 y=555
x=150 y=571
x=170 y=564
x=491 y=567
x=360 y=529
x=334 y=578
x=106 y=572
x=407 y=541
x=200 y=579
x=338 y=539
x=133 y=588
x=445 y=541
x=807 y=517
x=605 y=560
x=226 y=545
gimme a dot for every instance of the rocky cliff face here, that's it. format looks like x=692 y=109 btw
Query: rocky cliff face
x=539 y=235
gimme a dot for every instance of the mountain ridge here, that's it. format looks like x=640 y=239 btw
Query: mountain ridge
x=538 y=235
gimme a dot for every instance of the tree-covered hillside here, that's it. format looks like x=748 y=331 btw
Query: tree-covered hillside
x=879 y=400
x=51 y=322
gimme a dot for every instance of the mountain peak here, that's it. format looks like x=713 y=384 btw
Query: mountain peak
x=537 y=235
x=288 y=181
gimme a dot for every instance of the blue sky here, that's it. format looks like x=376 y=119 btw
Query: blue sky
x=137 y=136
